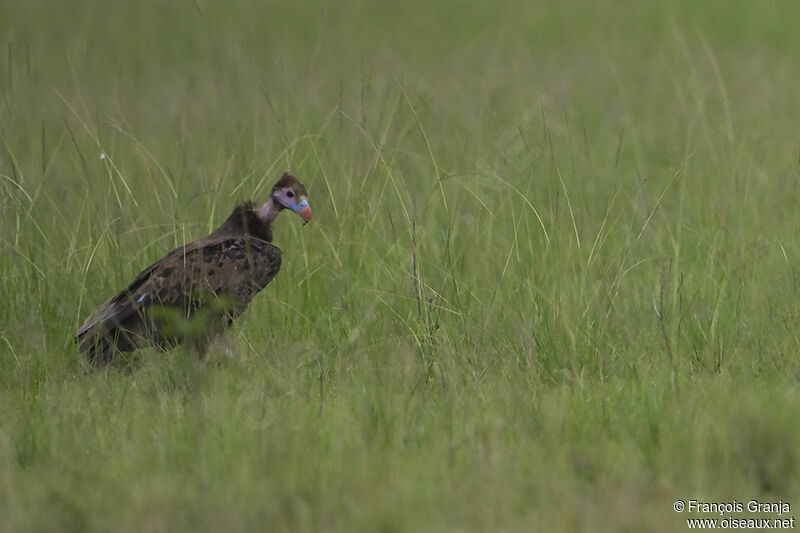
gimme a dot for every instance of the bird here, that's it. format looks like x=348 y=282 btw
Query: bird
x=197 y=290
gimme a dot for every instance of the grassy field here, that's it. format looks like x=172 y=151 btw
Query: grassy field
x=551 y=282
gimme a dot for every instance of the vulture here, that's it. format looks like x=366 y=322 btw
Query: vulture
x=197 y=290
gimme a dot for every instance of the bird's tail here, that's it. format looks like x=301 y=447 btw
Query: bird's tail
x=98 y=348
x=101 y=339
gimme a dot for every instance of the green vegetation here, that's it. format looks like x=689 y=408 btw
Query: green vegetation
x=551 y=278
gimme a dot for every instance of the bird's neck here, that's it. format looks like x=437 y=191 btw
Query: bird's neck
x=269 y=211
x=247 y=219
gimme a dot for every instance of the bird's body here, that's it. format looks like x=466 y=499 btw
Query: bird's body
x=197 y=290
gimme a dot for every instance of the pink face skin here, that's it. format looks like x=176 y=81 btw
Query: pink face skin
x=289 y=199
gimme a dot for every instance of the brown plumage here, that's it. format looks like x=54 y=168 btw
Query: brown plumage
x=197 y=290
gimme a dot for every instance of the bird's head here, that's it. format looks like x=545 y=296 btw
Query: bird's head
x=290 y=193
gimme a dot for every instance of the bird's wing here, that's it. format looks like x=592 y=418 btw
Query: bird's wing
x=235 y=268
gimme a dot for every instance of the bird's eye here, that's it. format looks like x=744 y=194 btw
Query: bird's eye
x=290 y=194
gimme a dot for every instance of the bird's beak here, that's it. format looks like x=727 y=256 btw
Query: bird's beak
x=305 y=214
x=302 y=209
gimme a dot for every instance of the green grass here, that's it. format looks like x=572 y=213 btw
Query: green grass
x=551 y=279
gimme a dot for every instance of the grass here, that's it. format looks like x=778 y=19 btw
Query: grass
x=551 y=278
